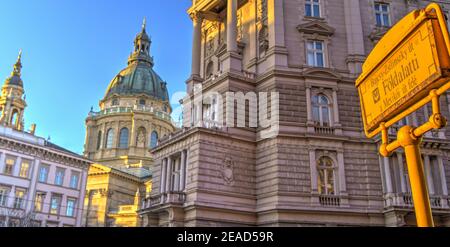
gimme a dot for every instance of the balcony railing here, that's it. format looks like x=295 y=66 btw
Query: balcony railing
x=324 y=130
x=406 y=200
x=330 y=200
x=165 y=198
x=136 y=108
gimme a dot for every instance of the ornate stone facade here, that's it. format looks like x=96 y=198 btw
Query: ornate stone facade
x=319 y=170
x=133 y=116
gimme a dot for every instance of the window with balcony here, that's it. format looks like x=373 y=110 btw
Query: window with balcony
x=43 y=173
x=39 y=201
x=74 y=180
x=19 y=199
x=4 y=195
x=382 y=14
x=312 y=8
x=59 y=176
x=25 y=169
x=315 y=53
x=70 y=208
x=321 y=112
x=109 y=139
x=326 y=176
x=123 y=138
x=9 y=166
x=55 y=204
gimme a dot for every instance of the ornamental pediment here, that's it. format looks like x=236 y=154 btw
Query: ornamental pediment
x=316 y=27
x=322 y=73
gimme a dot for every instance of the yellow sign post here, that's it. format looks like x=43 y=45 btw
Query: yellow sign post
x=408 y=68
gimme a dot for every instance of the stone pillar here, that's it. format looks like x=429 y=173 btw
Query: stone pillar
x=387 y=175
x=428 y=174
x=183 y=171
x=443 y=178
x=276 y=27
x=197 y=20
x=335 y=108
x=313 y=169
x=308 y=105
x=232 y=25
x=168 y=174
x=2 y=161
x=401 y=172
x=34 y=169
x=341 y=170
x=354 y=30
x=162 y=189
x=17 y=166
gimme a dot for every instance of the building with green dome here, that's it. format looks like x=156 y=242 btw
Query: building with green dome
x=134 y=114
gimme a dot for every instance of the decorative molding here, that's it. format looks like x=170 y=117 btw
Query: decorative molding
x=316 y=27
x=227 y=170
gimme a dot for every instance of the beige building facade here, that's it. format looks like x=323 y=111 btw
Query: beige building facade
x=41 y=184
x=134 y=114
x=318 y=169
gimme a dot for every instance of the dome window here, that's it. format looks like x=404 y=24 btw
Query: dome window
x=142 y=102
x=115 y=102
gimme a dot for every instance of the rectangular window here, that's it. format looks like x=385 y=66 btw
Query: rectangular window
x=55 y=204
x=382 y=14
x=74 y=178
x=312 y=8
x=70 y=209
x=9 y=166
x=315 y=53
x=19 y=198
x=43 y=173
x=24 y=169
x=59 y=177
x=39 y=201
x=4 y=194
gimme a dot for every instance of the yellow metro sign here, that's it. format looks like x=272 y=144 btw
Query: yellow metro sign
x=410 y=60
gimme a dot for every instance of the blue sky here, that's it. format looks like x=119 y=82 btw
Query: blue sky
x=72 y=50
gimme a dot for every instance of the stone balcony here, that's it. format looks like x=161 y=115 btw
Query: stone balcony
x=172 y=198
x=134 y=109
x=330 y=200
x=406 y=201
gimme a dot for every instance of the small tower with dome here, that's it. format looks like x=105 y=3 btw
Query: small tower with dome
x=12 y=99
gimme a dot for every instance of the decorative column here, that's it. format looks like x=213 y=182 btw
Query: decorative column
x=401 y=172
x=341 y=170
x=429 y=176
x=335 y=109
x=197 y=20
x=183 y=171
x=162 y=189
x=232 y=26
x=443 y=178
x=308 y=105
x=313 y=169
x=168 y=174
x=387 y=175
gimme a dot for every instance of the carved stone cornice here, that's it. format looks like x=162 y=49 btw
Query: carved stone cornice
x=316 y=27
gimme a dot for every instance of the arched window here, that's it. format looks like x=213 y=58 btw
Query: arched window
x=115 y=102
x=142 y=102
x=123 y=138
x=321 y=110
x=141 y=137
x=109 y=139
x=99 y=140
x=154 y=139
x=325 y=168
x=14 y=117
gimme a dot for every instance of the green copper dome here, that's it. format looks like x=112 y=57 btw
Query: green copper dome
x=139 y=77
